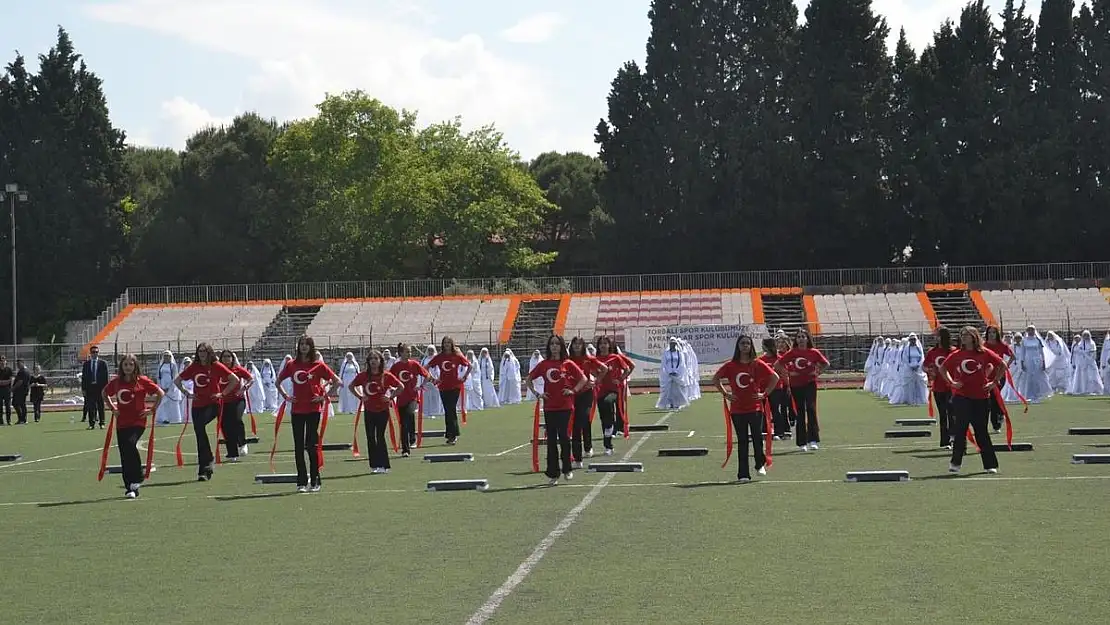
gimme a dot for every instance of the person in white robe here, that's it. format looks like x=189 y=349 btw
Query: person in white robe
x=433 y=404
x=1034 y=358
x=474 y=399
x=286 y=384
x=692 y=376
x=890 y=364
x=487 y=371
x=627 y=386
x=869 y=376
x=348 y=370
x=672 y=378
x=1059 y=372
x=1009 y=390
x=1105 y=364
x=172 y=408
x=187 y=402
x=1085 y=378
x=269 y=386
x=508 y=382
x=538 y=383
x=914 y=387
x=897 y=379
x=257 y=391
x=389 y=359
x=591 y=350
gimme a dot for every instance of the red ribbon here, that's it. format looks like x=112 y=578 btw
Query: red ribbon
x=1006 y=415
x=150 y=444
x=536 y=437
x=254 y=426
x=354 y=439
x=728 y=432
x=219 y=430
x=462 y=402
x=107 y=443
x=593 y=407
x=389 y=421
x=419 y=418
x=177 y=449
x=323 y=429
x=277 y=426
x=622 y=408
x=768 y=441
x=930 y=402
x=1010 y=379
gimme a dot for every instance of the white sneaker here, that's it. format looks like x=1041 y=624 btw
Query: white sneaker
x=803 y=448
x=589 y=454
x=131 y=494
x=569 y=476
x=244 y=450
x=952 y=468
x=745 y=480
x=553 y=481
x=576 y=465
x=302 y=489
x=761 y=470
x=233 y=459
x=133 y=487
x=608 y=452
x=315 y=488
x=814 y=446
x=385 y=470
x=375 y=470
x=992 y=471
x=777 y=437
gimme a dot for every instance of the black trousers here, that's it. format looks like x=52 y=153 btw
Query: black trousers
x=558 y=442
x=131 y=463
x=450 y=399
x=749 y=429
x=607 y=411
x=805 y=401
x=19 y=402
x=408 y=426
x=6 y=406
x=201 y=417
x=780 y=411
x=36 y=405
x=994 y=409
x=943 y=400
x=306 y=436
x=375 y=424
x=94 y=405
x=582 y=438
x=235 y=433
x=972 y=412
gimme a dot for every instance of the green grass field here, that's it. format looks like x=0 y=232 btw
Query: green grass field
x=678 y=543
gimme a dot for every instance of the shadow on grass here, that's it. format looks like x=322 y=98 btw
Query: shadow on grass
x=950 y=476
x=933 y=456
x=230 y=498
x=902 y=452
x=711 y=484
x=83 y=502
x=164 y=484
x=521 y=473
x=517 y=489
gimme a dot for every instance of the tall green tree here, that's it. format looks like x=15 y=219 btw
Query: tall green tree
x=570 y=182
x=1093 y=142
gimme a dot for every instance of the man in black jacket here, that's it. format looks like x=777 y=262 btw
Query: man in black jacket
x=94 y=377
x=6 y=375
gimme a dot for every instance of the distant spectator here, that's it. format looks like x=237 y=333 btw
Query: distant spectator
x=21 y=386
x=6 y=375
x=38 y=392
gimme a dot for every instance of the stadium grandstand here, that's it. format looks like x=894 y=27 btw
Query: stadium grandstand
x=844 y=309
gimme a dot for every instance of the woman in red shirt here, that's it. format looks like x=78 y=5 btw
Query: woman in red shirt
x=562 y=381
x=582 y=438
x=409 y=371
x=779 y=399
x=375 y=388
x=942 y=394
x=205 y=372
x=750 y=380
x=610 y=389
x=235 y=432
x=126 y=397
x=450 y=384
x=312 y=379
x=973 y=372
x=801 y=367
x=994 y=343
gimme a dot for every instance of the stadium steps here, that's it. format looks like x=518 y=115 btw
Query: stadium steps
x=535 y=321
x=279 y=338
x=955 y=309
x=783 y=312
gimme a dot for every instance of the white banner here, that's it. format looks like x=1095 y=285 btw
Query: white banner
x=713 y=345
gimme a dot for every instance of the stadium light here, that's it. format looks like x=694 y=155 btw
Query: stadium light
x=14 y=195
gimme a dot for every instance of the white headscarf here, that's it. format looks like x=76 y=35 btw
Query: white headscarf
x=172 y=392
x=1046 y=354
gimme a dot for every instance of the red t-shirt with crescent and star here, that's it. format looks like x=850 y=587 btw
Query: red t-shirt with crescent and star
x=373 y=391
x=746 y=380
x=308 y=384
x=206 y=381
x=449 y=378
x=802 y=363
x=558 y=375
x=972 y=369
x=130 y=398
x=934 y=362
x=409 y=373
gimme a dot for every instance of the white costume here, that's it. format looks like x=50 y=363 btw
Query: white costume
x=1009 y=391
x=538 y=382
x=1105 y=365
x=269 y=387
x=256 y=392
x=889 y=364
x=872 y=366
x=672 y=378
x=912 y=388
x=1085 y=378
x=348 y=403
x=286 y=384
x=473 y=384
x=487 y=372
x=172 y=408
x=692 y=375
x=508 y=390
x=1034 y=358
x=433 y=404
x=1059 y=373
x=388 y=359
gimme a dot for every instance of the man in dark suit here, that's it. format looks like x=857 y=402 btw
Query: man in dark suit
x=94 y=377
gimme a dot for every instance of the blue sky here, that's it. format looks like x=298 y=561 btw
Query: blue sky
x=538 y=69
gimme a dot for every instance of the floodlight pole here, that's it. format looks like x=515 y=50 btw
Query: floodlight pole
x=14 y=194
